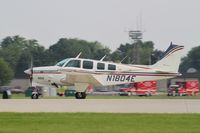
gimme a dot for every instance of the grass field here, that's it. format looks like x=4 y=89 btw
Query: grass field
x=98 y=123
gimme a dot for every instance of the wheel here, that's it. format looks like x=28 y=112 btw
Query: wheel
x=80 y=95
x=35 y=96
x=148 y=94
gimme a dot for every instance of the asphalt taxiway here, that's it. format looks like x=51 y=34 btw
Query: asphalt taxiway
x=101 y=105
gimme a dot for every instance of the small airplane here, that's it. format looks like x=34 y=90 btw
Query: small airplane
x=81 y=72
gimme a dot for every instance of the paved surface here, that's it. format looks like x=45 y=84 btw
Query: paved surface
x=101 y=105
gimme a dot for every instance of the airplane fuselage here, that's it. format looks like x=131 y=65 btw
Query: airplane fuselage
x=98 y=73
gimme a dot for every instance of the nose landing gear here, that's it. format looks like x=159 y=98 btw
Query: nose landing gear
x=34 y=95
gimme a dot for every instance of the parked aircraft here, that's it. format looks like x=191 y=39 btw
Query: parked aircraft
x=81 y=72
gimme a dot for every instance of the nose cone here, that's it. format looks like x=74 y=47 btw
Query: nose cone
x=28 y=71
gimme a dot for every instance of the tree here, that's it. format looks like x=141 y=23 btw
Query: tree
x=146 y=50
x=191 y=60
x=32 y=51
x=6 y=73
x=18 y=52
x=15 y=40
x=11 y=54
x=116 y=56
x=66 y=48
x=127 y=50
x=156 y=56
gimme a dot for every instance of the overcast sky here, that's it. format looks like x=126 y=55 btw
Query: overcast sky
x=106 y=21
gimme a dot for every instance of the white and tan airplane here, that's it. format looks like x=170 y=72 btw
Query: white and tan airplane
x=82 y=72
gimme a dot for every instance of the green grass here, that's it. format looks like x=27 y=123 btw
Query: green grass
x=98 y=123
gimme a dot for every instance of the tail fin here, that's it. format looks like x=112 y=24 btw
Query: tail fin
x=171 y=59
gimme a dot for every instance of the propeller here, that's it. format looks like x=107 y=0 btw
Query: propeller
x=30 y=72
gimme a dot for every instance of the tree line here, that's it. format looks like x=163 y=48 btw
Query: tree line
x=16 y=54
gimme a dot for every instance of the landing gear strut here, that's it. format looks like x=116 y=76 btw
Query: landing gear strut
x=80 y=95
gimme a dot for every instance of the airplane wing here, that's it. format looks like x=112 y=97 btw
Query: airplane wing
x=97 y=79
x=76 y=77
x=80 y=80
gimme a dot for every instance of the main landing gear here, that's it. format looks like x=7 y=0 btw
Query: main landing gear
x=80 y=90
x=80 y=95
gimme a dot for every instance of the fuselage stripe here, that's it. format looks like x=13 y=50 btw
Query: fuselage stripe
x=124 y=73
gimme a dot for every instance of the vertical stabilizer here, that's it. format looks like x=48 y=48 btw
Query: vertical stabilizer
x=171 y=60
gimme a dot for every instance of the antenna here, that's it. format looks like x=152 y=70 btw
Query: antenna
x=123 y=59
x=135 y=36
x=102 y=58
x=132 y=61
x=79 y=55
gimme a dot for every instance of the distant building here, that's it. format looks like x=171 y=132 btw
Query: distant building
x=20 y=83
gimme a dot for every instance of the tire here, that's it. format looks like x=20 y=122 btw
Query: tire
x=34 y=96
x=148 y=94
x=80 y=95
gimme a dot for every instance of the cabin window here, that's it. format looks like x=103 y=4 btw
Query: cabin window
x=100 y=66
x=74 y=63
x=87 y=64
x=111 y=67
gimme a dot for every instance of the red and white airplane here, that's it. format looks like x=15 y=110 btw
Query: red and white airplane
x=82 y=72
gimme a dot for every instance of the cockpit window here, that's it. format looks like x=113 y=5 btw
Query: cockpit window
x=61 y=63
x=74 y=63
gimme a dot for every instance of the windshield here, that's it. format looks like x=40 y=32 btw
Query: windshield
x=61 y=63
x=73 y=63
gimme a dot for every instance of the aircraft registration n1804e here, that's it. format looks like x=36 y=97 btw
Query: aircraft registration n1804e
x=82 y=72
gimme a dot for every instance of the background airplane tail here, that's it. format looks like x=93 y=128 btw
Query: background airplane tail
x=171 y=60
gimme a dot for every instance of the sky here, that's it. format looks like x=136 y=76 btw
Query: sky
x=105 y=21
